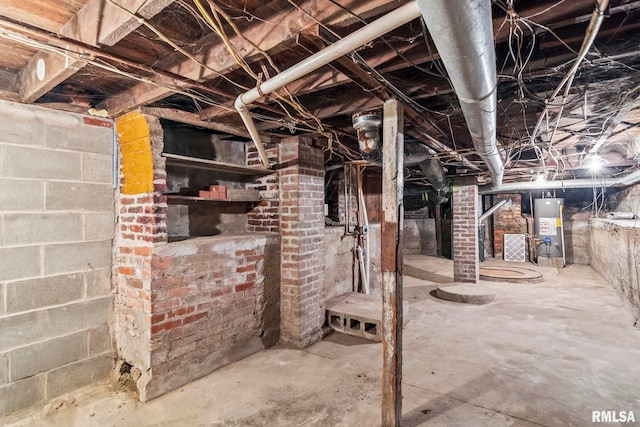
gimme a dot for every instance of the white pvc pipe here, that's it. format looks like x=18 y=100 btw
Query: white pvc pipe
x=364 y=35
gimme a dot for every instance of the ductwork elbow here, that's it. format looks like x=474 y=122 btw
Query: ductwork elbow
x=463 y=34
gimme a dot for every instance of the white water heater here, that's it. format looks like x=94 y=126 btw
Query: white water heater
x=549 y=230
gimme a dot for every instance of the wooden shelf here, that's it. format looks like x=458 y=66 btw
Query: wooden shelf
x=204 y=199
x=212 y=165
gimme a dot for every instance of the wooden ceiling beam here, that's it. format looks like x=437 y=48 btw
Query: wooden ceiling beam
x=9 y=85
x=101 y=22
x=273 y=35
x=98 y=22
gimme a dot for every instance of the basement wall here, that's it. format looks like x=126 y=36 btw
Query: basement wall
x=186 y=308
x=56 y=231
x=339 y=259
x=615 y=246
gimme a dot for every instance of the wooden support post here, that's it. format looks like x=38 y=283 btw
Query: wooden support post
x=391 y=262
x=438 y=217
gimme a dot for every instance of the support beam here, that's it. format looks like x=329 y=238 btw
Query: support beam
x=44 y=71
x=194 y=120
x=98 y=22
x=391 y=262
x=277 y=32
x=101 y=22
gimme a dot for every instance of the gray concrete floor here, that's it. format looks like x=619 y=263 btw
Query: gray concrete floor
x=544 y=354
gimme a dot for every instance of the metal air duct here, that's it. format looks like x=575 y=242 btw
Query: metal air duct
x=463 y=34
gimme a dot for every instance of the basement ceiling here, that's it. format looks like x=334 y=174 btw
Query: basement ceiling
x=192 y=59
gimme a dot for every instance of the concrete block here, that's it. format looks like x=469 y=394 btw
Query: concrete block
x=79 y=196
x=99 y=226
x=18 y=263
x=97 y=283
x=99 y=340
x=44 y=356
x=82 y=256
x=28 y=162
x=21 y=195
x=78 y=317
x=97 y=168
x=4 y=368
x=20 y=127
x=42 y=292
x=78 y=374
x=21 y=229
x=21 y=395
x=21 y=329
x=2 y=299
x=88 y=139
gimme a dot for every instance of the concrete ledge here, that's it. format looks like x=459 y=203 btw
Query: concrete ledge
x=467 y=293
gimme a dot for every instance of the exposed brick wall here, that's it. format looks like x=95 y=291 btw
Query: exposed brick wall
x=56 y=230
x=465 y=232
x=264 y=217
x=183 y=309
x=302 y=230
x=213 y=302
x=141 y=224
x=507 y=220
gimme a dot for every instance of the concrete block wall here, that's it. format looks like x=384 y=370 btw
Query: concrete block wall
x=56 y=231
x=215 y=301
x=465 y=232
x=507 y=220
x=302 y=231
x=264 y=217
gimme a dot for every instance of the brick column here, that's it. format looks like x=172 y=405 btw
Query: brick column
x=302 y=229
x=141 y=224
x=465 y=232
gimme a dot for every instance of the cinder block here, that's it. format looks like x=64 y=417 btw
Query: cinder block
x=97 y=168
x=82 y=256
x=97 y=283
x=28 y=162
x=43 y=356
x=99 y=226
x=19 y=126
x=4 y=368
x=21 y=229
x=21 y=329
x=78 y=316
x=88 y=139
x=21 y=395
x=79 y=196
x=42 y=292
x=21 y=195
x=99 y=341
x=18 y=263
x=78 y=374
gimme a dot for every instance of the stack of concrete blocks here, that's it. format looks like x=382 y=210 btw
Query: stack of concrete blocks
x=56 y=231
